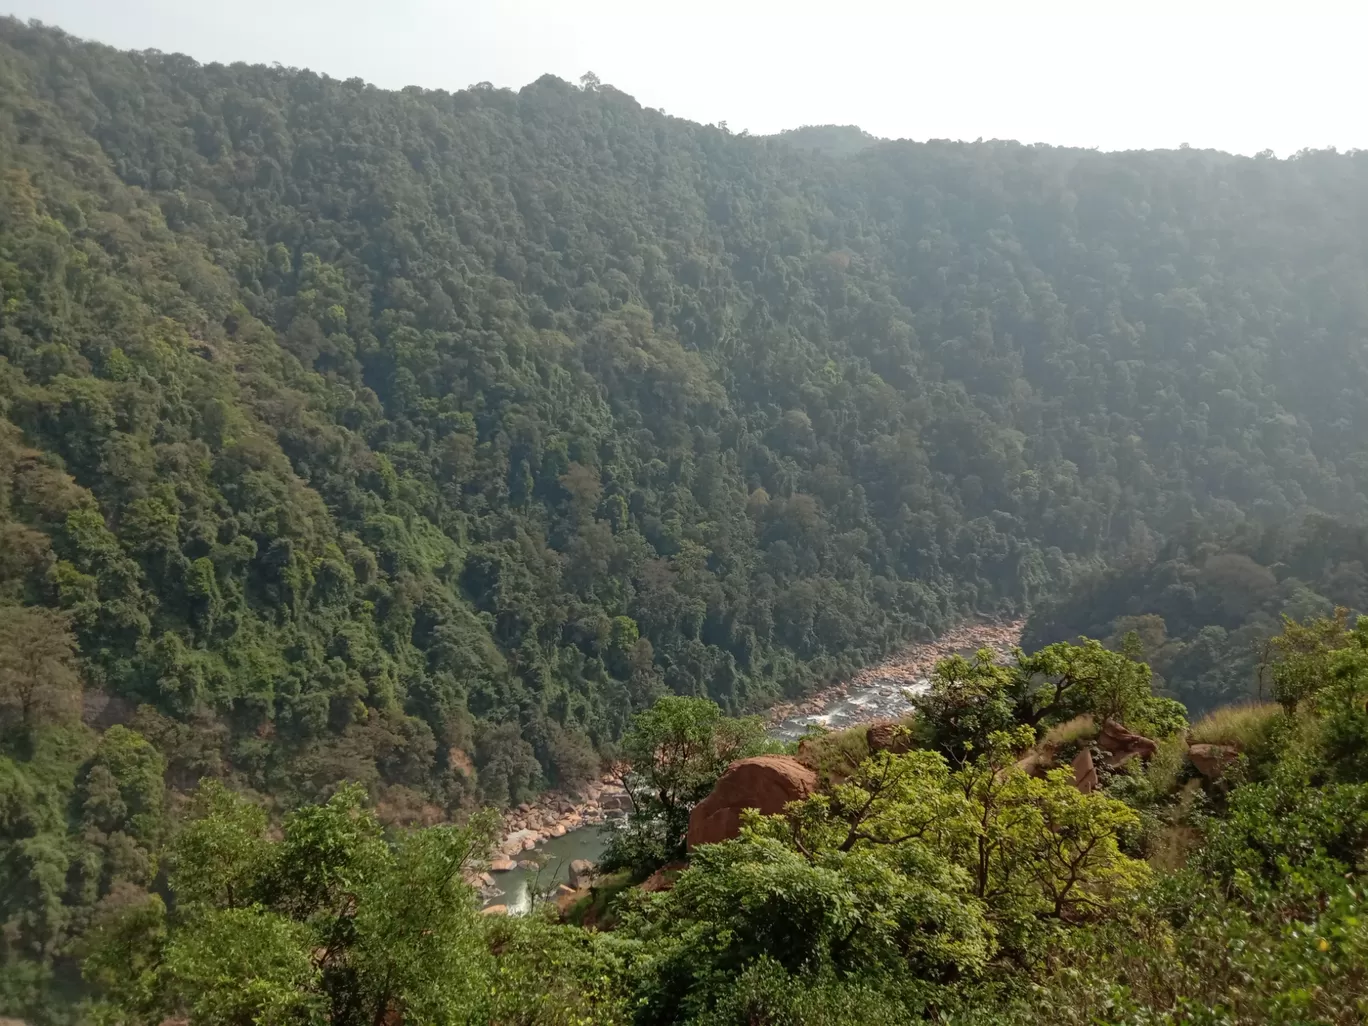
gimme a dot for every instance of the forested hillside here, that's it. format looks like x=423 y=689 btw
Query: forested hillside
x=1203 y=608
x=419 y=438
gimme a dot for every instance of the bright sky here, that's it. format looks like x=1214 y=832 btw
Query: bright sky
x=1116 y=74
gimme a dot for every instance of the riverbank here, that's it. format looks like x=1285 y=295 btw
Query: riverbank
x=554 y=814
x=867 y=696
x=877 y=692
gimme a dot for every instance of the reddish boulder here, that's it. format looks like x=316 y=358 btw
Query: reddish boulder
x=1085 y=773
x=1211 y=760
x=1122 y=745
x=889 y=737
x=765 y=782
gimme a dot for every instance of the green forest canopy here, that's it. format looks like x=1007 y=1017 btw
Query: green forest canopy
x=419 y=438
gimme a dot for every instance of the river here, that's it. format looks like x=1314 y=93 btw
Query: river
x=878 y=693
x=555 y=854
x=881 y=699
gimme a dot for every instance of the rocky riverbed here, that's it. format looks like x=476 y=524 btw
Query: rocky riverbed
x=882 y=692
x=877 y=693
x=554 y=814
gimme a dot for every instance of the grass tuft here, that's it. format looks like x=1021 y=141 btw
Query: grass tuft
x=1245 y=726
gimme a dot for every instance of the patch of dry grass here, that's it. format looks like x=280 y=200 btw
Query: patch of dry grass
x=833 y=755
x=1079 y=728
x=1246 y=726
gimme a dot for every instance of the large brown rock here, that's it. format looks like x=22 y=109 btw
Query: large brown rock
x=1084 y=771
x=1122 y=745
x=765 y=782
x=1211 y=760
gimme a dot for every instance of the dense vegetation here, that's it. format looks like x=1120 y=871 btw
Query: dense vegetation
x=917 y=885
x=420 y=439
x=1204 y=608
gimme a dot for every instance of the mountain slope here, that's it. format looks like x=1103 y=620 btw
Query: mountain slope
x=380 y=432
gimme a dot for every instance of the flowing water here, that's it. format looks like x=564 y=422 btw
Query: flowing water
x=879 y=700
x=876 y=697
x=555 y=854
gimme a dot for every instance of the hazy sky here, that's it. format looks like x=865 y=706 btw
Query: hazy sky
x=1241 y=76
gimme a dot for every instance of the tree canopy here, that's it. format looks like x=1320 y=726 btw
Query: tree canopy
x=423 y=440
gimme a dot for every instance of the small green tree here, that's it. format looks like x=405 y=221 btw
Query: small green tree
x=672 y=755
x=330 y=923
x=1041 y=849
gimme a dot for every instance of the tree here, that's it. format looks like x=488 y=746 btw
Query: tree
x=671 y=756
x=1041 y=848
x=1064 y=680
x=888 y=800
x=40 y=683
x=1297 y=663
x=330 y=923
x=967 y=701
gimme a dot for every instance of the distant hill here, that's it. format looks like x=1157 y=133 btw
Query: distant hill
x=836 y=140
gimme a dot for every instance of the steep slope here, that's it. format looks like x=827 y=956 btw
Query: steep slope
x=381 y=433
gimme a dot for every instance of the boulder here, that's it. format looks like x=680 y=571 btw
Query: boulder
x=765 y=782
x=1122 y=745
x=502 y=865
x=1211 y=760
x=528 y=864
x=557 y=831
x=494 y=910
x=581 y=872
x=889 y=737
x=1085 y=773
x=1037 y=762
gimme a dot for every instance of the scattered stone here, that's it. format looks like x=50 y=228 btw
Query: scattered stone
x=765 y=782
x=502 y=865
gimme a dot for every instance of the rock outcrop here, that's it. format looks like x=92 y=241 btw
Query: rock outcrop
x=1122 y=745
x=582 y=871
x=765 y=782
x=1211 y=760
x=1084 y=771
